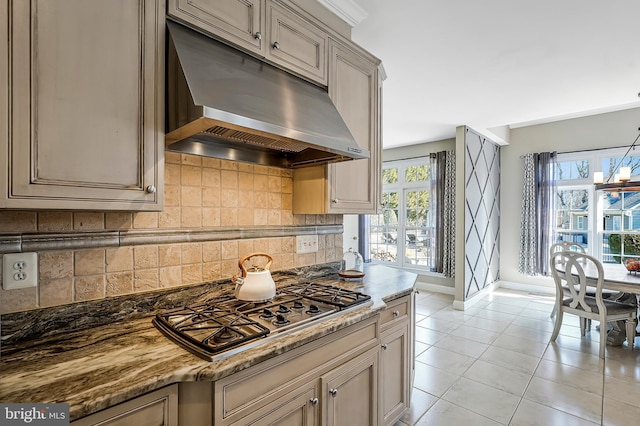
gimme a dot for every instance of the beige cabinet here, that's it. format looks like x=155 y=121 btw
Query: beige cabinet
x=266 y=28
x=81 y=104
x=296 y=43
x=351 y=187
x=350 y=392
x=241 y=22
x=328 y=378
x=157 y=408
x=395 y=359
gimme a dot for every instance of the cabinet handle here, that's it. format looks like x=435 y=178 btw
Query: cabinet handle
x=276 y=45
x=333 y=392
x=257 y=36
x=396 y=314
x=150 y=189
x=384 y=346
x=314 y=401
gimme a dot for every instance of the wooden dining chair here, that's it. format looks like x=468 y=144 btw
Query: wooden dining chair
x=566 y=246
x=589 y=307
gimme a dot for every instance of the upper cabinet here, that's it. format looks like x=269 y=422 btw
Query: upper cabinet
x=81 y=111
x=241 y=22
x=351 y=187
x=296 y=44
x=266 y=28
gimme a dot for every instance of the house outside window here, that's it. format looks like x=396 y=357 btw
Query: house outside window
x=401 y=234
x=606 y=224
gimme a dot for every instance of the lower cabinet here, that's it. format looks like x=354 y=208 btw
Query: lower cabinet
x=157 y=408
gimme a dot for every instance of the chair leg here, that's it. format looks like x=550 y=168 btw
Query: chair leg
x=631 y=333
x=583 y=326
x=553 y=311
x=556 y=327
x=603 y=337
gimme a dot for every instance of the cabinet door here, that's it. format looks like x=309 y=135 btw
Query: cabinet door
x=240 y=22
x=158 y=408
x=394 y=373
x=353 y=87
x=350 y=392
x=85 y=128
x=296 y=43
x=300 y=410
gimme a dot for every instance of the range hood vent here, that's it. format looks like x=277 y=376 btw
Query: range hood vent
x=226 y=104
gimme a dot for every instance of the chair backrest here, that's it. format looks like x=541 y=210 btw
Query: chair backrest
x=578 y=270
x=566 y=246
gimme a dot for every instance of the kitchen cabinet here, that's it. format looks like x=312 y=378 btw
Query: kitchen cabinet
x=81 y=104
x=395 y=359
x=157 y=408
x=308 y=384
x=351 y=187
x=350 y=393
x=240 y=22
x=268 y=29
x=296 y=43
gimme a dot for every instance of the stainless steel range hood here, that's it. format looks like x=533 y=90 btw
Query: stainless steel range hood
x=226 y=104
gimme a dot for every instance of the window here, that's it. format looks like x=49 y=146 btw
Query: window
x=401 y=233
x=606 y=224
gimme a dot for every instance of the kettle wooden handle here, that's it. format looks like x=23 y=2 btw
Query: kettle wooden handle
x=249 y=256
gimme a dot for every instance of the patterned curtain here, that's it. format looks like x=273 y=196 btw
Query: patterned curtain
x=536 y=221
x=449 y=216
x=443 y=208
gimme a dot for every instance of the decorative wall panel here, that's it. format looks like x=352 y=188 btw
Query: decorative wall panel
x=482 y=212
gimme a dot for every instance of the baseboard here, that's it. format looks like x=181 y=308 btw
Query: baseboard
x=466 y=304
x=529 y=288
x=436 y=288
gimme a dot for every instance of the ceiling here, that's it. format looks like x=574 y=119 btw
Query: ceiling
x=495 y=63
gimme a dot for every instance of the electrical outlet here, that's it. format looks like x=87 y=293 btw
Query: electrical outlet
x=19 y=270
x=306 y=243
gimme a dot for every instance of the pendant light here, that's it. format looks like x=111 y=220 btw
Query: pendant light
x=620 y=178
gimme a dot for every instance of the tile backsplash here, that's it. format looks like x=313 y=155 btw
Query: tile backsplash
x=203 y=195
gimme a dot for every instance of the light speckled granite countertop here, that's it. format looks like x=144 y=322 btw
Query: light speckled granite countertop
x=101 y=366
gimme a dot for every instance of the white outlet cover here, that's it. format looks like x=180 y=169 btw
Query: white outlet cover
x=11 y=270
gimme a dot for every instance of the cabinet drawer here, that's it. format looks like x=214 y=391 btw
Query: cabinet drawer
x=397 y=311
x=157 y=408
x=296 y=44
x=246 y=391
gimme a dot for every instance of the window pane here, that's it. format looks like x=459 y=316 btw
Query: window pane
x=417 y=208
x=578 y=169
x=383 y=238
x=389 y=176
x=572 y=209
x=610 y=165
x=417 y=173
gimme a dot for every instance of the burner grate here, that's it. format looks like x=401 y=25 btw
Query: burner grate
x=335 y=296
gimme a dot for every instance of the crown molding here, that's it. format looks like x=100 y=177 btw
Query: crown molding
x=347 y=10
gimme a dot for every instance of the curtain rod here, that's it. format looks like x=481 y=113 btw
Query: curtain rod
x=588 y=150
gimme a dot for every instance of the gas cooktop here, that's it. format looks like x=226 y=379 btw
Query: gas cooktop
x=225 y=323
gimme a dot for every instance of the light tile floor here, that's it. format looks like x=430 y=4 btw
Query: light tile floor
x=493 y=364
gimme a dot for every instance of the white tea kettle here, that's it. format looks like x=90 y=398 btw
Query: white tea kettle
x=254 y=284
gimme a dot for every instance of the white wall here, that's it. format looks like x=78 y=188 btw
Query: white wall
x=608 y=130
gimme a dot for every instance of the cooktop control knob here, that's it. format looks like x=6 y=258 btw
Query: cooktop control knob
x=283 y=309
x=267 y=313
x=297 y=305
x=281 y=320
x=313 y=309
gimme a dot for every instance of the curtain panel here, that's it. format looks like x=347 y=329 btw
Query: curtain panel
x=538 y=206
x=443 y=210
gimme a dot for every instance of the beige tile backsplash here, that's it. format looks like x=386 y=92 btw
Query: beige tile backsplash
x=199 y=193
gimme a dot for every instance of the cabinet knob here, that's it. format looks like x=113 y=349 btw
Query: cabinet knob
x=257 y=36
x=333 y=392
x=276 y=45
x=150 y=189
x=314 y=401
x=384 y=346
x=396 y=314
x=335 y=201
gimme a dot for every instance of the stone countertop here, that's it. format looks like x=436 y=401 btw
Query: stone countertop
x=99 y=367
